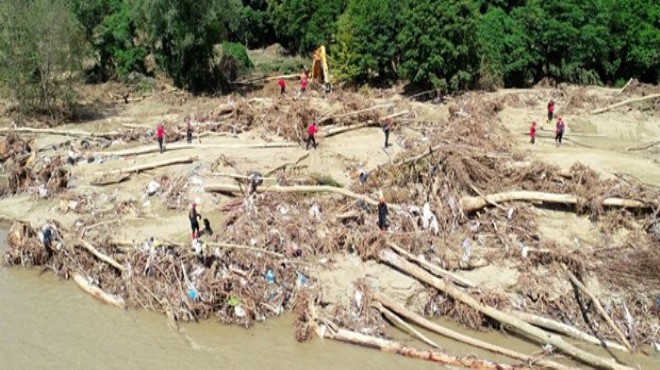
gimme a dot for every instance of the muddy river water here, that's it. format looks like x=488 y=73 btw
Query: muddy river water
x=49 y=323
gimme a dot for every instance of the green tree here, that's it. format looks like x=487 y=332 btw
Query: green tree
x=366 y=45
x=182 y=34
x=439 y=44
x=42 y=48
x=507 y=57
x=303 y=25
x=255 y=28
x=110 y=28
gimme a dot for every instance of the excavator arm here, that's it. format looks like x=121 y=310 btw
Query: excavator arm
x=320 y=72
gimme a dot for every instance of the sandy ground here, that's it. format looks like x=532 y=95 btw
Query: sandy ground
x=607 y=154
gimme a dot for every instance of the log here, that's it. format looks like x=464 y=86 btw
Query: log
x=285 y=165
x=626 y=85
x=96 y=292
x=110 y=178
x=406 y=327
x=470 y=204
x=352 y=113
x=240 y=177
x=370 y=123
x=152 y=165
x=244 y=247
x=625 y=102
x=51 y=131
x=389 y=257
x=567 y=330
x=110 y=261
x=390 y=346
x=434 y=269
x=600 y=309
x=438 y=329
x=227 y=188
x=154 y=148
x=644 y=146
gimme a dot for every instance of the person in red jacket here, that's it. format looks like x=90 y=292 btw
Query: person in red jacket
x=551 y=110
x=303 y=85
x=282 y=85
x=160 y=135
x=532 y=132
x=311 y=132
x=561 y=126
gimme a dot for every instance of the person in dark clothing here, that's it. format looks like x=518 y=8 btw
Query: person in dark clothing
x=560 y=131
x=363 y=177
x=193 y=215
x=189 y=131
x=382 y=214
x=254 y=180
x=387 y=126
x=311 y=132
x=48 y=235
x=207 y=227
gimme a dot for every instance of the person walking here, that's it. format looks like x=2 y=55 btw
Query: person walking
x=312 y=129
x=160 y=135
x=189 y=130
x=282 y=85
x=194 y=216
x=387 y=126
x=532 y=132
x=551 y=110
x=561 y=126
x=382 y=213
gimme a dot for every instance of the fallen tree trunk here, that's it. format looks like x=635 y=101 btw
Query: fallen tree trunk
x=227 y=188
x=390 y=346
x=625 y=102
x=434 y=269
x=438 y=329
x=600 y=309
x=155 y=149
x=110 y=261
x=644 y=146
x=470 y=204
x=341 y=130
x=567 y=330
x=96 y=292
x=404 y=325
x=352 y=113
x=51 y=131
x=389 y=257
x=244 y=247
x=152 y=165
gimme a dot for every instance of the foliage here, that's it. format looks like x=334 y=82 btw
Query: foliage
x=303 y=25
x=440 y=50
x=255 y=28
x=235 y=60
x=366 y=47
x=182 y=34
x=42 y=48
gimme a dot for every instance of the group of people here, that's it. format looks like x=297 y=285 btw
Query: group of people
x=304 y=78
x=559 y=127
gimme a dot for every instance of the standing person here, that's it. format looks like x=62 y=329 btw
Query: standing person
x=303 y=85
x=551 y=110
x=560 y=131
x=282 y=84
x=532 y=132
x=160 y=135
x=382 y=213
x=387 y=126
x=311 y=132
x=47 y=238
x=254 y=180
x=193 y=215
x=189 y=130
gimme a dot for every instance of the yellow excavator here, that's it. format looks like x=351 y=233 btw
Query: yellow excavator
x=320 y=72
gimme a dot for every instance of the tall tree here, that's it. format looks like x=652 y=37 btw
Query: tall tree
x=366 y=45
x=439 y=44
x=183 y=34
x=42 y=46
x=303 y=25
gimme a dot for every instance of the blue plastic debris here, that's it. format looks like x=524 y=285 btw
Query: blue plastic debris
x=270 y=276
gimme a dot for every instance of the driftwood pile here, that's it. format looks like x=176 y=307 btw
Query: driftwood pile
x=459 y=197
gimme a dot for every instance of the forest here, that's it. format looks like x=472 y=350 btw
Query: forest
x=449 y=45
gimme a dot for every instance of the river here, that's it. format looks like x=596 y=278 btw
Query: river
x=49 y=323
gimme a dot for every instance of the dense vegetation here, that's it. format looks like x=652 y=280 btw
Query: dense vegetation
x=448 y=44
